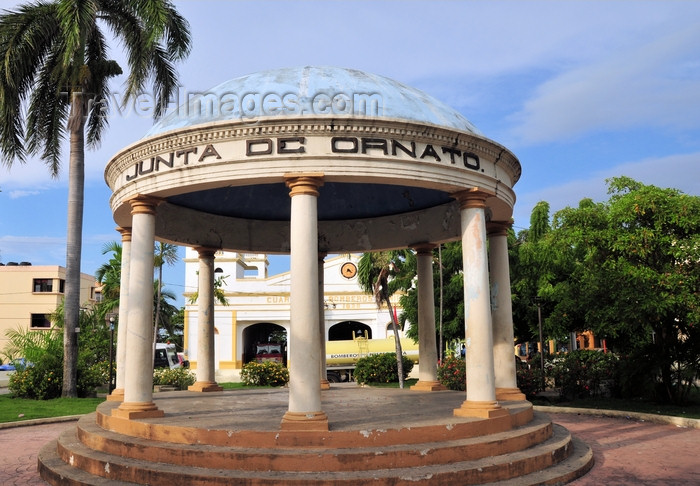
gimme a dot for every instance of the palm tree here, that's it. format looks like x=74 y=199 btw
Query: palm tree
x=219 y=292
x=109 y=275
x=379 y=273
x=164 y=253
x=55 y=66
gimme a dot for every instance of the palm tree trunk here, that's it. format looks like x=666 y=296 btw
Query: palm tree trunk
x=74 y=236
x=397 y=341
x=156 y=319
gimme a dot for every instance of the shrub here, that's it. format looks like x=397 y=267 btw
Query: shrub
x=529 y=380
x=90 y=376
x=267 y=373
x=41 y=381
x=177 y=377
x=381 y=368
x=452 y=373
x=582 y=373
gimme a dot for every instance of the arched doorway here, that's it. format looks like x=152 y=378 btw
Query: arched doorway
x=390 y=329
x=347 y=329
x=264 y=332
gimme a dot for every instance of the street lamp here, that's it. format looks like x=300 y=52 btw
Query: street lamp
x=538 y=301
x=110 y=387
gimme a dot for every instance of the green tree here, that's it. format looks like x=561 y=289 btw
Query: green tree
x=164 y=313
x=56 y=67
x=383 y=274
x=109 y=275
x=532 y=272
x=633 y=267
x=174 y=331
x=452 y=296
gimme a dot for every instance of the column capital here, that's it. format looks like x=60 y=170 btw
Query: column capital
x=424 y=248
x=144 y=204
x=498 y=228
x=472 y=198
x=125 y=232
x=205 y=251
x=303 y=183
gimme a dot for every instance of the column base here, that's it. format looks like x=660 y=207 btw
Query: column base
x=485 y=409
x=424 y=385
x=509 y=394
x=313 y=421
x=137 y=410
x=204 y=386
x=117 y=395
x=325 y=385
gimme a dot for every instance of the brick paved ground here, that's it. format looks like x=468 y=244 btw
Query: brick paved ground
x=627 y=452
x=636 y=453
x=20 y=446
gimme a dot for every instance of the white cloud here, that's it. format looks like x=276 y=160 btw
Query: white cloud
x=19 y=194
x=656 y=83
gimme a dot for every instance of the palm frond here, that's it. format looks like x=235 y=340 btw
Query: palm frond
x=26 y=37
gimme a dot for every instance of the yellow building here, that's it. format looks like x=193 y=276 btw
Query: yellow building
x=30 y=294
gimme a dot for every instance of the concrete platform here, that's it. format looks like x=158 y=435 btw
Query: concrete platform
x=376 y=435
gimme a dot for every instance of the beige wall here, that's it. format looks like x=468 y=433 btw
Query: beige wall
x=18 y=301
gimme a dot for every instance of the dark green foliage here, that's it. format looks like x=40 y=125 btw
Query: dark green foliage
x=635 y=377
x=381 y=368
x=583 y=373
x=452 y=373
x=627 y=269
x=529 y=380
x=267 y=373
x=452 y=296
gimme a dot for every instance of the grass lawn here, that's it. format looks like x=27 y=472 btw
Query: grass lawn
x=18 y=409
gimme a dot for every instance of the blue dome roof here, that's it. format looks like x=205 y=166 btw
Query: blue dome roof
x=311 y=91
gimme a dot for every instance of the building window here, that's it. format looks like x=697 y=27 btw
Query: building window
x=40 y=321
x=43 y=285
x=62 y=286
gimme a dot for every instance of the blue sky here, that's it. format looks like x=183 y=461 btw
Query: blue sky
x=578 y=91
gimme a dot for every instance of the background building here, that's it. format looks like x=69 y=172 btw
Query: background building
x=30 y=294
x=258 y=307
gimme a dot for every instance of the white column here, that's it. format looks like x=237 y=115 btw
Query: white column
x=481 y=390
x=206 y=381
x=118 y=392
x=502 y=313
x=325 y=385
x=138 y=385
x=427 y=349
x=304 y=374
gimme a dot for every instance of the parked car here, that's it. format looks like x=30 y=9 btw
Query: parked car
x=20 y=363
x=166 y=356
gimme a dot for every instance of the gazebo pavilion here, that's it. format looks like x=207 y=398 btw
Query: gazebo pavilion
x=308 y=162
x=312 y=161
